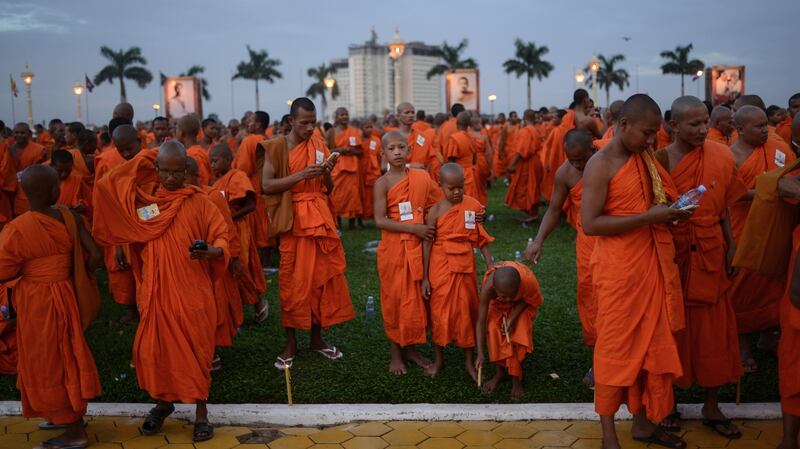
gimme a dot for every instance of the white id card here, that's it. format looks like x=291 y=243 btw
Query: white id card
x=469 y=219
x=420 y=140
x=319 y=158
x=780 y=158
x=352 y=141
x=147 y=213
x=373 y=145
x=406 y=212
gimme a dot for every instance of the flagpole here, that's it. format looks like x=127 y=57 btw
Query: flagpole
x=13 y=112
x=87 y=107
x=161 y=90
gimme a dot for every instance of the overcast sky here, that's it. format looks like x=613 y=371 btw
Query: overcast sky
x=61 y=40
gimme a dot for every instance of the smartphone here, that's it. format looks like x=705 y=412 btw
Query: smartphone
x=198 y=245
x=333 y=157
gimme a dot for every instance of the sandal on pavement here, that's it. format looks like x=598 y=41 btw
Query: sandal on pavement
x=58 y=444
x=661 y=437
x=216 y=363
x=331 y=353
x=282 y=364
x=672 y=423
x=203 y=431
x=723 y=427
x=155 y=419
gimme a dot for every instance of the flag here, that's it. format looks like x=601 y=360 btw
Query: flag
x=163 y=78
x=13 y=85
x=89 y=83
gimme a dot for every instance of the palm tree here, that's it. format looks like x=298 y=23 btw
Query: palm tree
x=317 y=88
x=678 y=63
x=122 y=65
x=608 y=76
x=194 y=71
x=259 y=67
x=451 y=57
x=528 y=61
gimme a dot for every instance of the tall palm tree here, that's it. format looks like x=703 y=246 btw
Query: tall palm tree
x=609 y=76
x=194 y=71
x=123 y=65
x=528 y=61
x=259 y=67
x=451 y=59
x=317 y=88
x=678 y=63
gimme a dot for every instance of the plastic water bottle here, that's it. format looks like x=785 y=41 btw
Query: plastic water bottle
x=370 y=306
x=518 y=256
x=530 y=240
x=4 y=312
x=690 y=198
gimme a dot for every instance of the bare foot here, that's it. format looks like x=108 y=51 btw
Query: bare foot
x=473 y=373
x=719 y=422
x=489 y=387
x=516 y=389
x=396 y=366
x=432 y=370
x=410 y=353
x=748 y=362
x=75 y=435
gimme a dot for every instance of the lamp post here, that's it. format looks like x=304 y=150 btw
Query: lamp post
x=580 y=77
x=289 y=103
x=594 y=66
x=697 y=77
x=27 y=78
x=156 y=107
x=492 y=98
x=396 y=48
x=329 y=83
x=77 y=89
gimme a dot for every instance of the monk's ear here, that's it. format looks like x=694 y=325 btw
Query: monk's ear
x=673 y=124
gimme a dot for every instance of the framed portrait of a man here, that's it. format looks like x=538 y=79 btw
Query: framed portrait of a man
x=724 y=84
x=182 y=96
x=463 y=86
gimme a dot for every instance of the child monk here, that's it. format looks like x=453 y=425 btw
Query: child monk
x=370 y=166
x=460 y=148
x=55 y=301
x=241 y=197
x=75 y=192
x=509 y=300
x=450 y=283
x=402 y=196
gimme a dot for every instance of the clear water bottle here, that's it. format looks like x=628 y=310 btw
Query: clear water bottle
x=690 y=199
x=4 y=312
x=518 y=256
x=370 y=306
x=530 y=240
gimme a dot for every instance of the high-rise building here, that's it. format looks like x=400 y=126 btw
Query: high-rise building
x=342 y=77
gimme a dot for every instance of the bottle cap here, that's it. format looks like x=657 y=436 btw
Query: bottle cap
x=701 y=188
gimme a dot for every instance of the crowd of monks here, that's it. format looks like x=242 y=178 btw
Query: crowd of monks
x=666 y=296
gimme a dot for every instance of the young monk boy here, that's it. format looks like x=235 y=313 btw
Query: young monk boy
x=75 y=192
x=402 y=197
x=450 y=283
x=509 y=300
x=370 y=167
x=55 y=301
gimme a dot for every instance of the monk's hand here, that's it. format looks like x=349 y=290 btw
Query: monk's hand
x=424 y=231
x=512 y=321
x=235 y=268
x=480 y=216
x=313 y=171
x=119 y=257
x=425 y=289
x=479 y=357
x=533 y=252
x=212 y=252
x=730 y=270
x=661 y=213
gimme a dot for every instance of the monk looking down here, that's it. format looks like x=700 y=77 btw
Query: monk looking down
x=186 y=133
x=346 y=140
x=721 y=128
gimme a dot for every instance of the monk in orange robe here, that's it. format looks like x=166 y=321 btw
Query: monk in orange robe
x=450 y=126
x=241 y=197
x=418 y=145
x=55 y=301
x=148 y=204
x=567 y=193
x=43 y=137
x=500 y=129
x=755 y=297
x=119 y=259
x=346 y=140
x=313 y=289
x=525 y=170
x=639 y=305
x=483 y=155
x=370 y=167
x=85 y=154
x=402 y=197
x=231 y=135
x=435 y=155
x=161 y=131
x=664 y=136
x=247 y=159
x=186 y=132
x=704 y=250
x=721 y=127
x=59 y=133
x=211 y=133
x=509 y=301
x=75 y=192
x=8 y=182
x=24 y=153
x=460 y=148
x=450 y=282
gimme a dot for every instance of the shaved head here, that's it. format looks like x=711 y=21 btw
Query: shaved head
x=125 y=135
x=748 y=114
x=796 y=129
x=123 y=110
x=639 y=106
x=684 y=106
x=577 y=140
x=171 y=148
x=749 y=100
x=451 y=171
x=221 y=150
x=463 y=119
x=721 y=113
x=393 y=136
x=752 y=124
x=507 y=280
x=615 y=109
x=189 y=125
x=405 y=106
x=40 y=183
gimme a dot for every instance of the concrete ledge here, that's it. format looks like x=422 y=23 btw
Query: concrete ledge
x=332 y=414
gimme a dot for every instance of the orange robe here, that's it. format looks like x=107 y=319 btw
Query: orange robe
x=57 y=373
x=584 y=245
x=453 y=276
x=663 y=138
x=788 y=353
x=75 y=191
x=249 y=160
x=447 y=129
x=419 y=148
x=45 y=139
x=482 y=170
x=639 y=303
x=8 y=336
x=370 y=168
x=511 y=355
x=347 y=185
x=523 y=193
x=79 y=165
x=784 y=130
x=200 y=155
x=461 y=148
x=755 y=297
x=434 y=152
x=421 y=126
x=235 y=186
x=8 y=184
x=709 y=345
x=32 y=154
x=717 y=136
x=174 y=342
x=313 y=288
x=553 y=154
x=400 y=260
x=231 y=141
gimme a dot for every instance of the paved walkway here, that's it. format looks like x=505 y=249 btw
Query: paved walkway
x=123 y=433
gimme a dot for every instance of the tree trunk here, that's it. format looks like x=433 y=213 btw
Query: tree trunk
x=122 y=97
x=608 y=96
x=682 y=94
x=529 y=92
x=258 y=108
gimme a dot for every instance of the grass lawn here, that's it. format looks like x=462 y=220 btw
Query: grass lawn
x=552 y=374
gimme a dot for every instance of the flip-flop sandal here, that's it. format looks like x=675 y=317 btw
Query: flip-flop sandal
x=330 y=353
x=661 y=437
x=155 y=419
x=263 y=312
x=203 y=431
x=216 y=363
x=673 y=418
x=588 y=379
x=725 y=424
x=48 y=425
x=58 y=444
x=282 y=364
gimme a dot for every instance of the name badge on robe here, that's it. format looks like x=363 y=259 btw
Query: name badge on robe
x=406 y=211
x=373 y=145
x=147 y=213
x=420 y=140
x=222 y=192
x=469 y=219
x=319 y=158
x=352 y=141
x=780 y=158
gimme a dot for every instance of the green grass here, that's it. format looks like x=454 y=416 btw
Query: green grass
x=362 y=376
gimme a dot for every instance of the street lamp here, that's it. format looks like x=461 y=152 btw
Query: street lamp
x=594 y=66
x=492 y=98
x=27 y=78
x=77 y=89
x=396 y=49
x=329 y=83
x=696 y=77
x=580 y=77
x=156 y=107
x=289 y=103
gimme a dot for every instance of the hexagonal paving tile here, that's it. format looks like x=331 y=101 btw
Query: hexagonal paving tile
x=553 y=438
x=705 y=439
x=371 y=429
x=145 y=442
x=479 y=425
x=179 y=436
x=218 y=442
x=330 y=437
x=292 y=442
x=551 y=425
x=118 y=446
x=365 y=443
x=403 y=425
x=441 y=443
x=750 y=444
x=232 y=431
x=513 y=443
x=16 y=441
x=587 y=443
x=405 y=437
x=585 y=429
x=478 y=447
x=173 y=446
x=476 y=437
x=109 y=434
x=442 y=430
x=327 y=446
x=515 y=430
x=298 y=430
x=23 y=427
